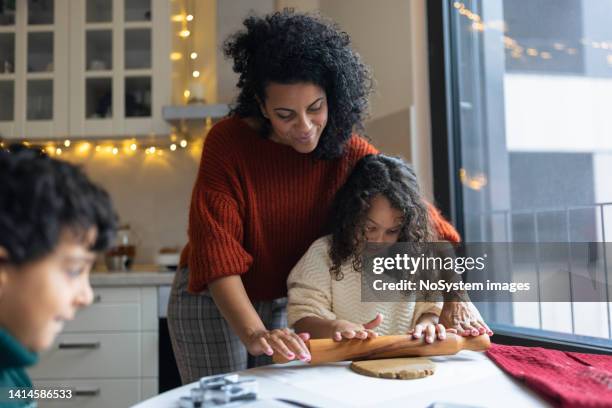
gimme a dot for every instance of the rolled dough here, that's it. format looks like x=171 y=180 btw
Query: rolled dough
x=396 y=368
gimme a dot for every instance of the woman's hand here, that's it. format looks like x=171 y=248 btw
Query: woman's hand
x=429 y=327
x=343 y=329
x=465 y=318
x=283 y=341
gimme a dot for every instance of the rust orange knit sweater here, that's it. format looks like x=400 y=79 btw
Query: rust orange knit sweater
x=257 y=205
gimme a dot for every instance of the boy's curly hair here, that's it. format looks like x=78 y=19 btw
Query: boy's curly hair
x=288 y=47
x=40 y=197
x=376 y=175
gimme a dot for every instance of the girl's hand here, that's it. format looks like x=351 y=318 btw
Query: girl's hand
x=429 y=327
x=343 y=329
x=283 y=341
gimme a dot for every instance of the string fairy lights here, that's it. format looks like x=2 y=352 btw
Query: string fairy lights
x=109 y=147
x=520 y=51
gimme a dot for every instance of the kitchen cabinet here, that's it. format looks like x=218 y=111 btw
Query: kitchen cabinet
x=108 y=354
x=84 y=68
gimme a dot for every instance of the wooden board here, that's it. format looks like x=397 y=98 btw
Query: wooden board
x=395 y=368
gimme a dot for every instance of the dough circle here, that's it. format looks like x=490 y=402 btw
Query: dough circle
x=395 y=368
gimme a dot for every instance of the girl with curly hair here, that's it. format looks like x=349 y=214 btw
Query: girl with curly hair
x=380 y=202
x=267 y=178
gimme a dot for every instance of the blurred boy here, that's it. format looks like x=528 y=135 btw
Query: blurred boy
x=53 y=220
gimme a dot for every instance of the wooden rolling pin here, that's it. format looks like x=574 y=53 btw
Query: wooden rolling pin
x=328 y=350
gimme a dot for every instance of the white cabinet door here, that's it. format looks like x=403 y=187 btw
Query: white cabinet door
x=34 y=72
x=120 y=67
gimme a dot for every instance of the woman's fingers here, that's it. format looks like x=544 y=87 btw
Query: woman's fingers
x=292 y=344
x=487 y=329
x=296 y=344
x=265 y=346
x=337 y=336
x=469 y=330
x=280 y=346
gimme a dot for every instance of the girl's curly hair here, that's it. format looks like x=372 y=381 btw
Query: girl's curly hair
x=376 y=175
x=287 y=47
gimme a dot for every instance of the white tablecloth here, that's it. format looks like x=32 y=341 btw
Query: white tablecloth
x=468 y=378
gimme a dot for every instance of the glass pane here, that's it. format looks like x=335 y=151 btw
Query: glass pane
x=7 y=96
x=40 y=12
x=40 y=52
x=7 y=53
x=534 y=81
x=99 y=50
x=137 y=10
x=99 y=11
x=99 y=96
x=40 y=99
x=138 y=48
x=137 y=96
x=7 y=12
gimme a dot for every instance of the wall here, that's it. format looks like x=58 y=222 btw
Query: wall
x=151 y=193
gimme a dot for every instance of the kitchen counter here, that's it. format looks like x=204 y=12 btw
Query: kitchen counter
x=133 y=278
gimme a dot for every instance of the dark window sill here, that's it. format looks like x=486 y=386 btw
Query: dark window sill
x=520 y=336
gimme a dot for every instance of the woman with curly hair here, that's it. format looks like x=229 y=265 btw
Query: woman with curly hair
x=267 y=178
x=381 y=203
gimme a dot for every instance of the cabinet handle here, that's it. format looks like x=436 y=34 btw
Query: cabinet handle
x=87 y=392
x=91 y=345
x=97 y=298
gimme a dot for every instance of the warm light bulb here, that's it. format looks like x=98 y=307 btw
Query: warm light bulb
x=175 y=56
x=183 y=143
x=189 y=17
x=185 y=33
x=152 y=149
x=186 y=93
x=58 y=151
x=193 y=55
x=173 y=147
x=98 y=148
x=115 y=150
x=195 y=74
x=67 y=143
x=133 y=147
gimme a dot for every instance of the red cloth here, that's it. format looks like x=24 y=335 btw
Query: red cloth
x=257 y=205
x=565 y=379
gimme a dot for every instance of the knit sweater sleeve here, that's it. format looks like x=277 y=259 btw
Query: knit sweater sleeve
x=216 y=217
x=309 y=285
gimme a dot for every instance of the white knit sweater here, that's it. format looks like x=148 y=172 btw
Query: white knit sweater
x=314 y=292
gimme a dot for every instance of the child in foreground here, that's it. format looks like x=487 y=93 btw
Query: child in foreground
x=381 y=203
x=53 y=220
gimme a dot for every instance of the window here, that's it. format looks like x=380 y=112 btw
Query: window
x=520 y=94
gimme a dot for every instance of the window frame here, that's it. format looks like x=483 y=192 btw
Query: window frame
x=447 y=160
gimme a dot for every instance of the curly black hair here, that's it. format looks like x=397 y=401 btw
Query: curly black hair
x=287 y=47
x=40 y=197
x=375 y=175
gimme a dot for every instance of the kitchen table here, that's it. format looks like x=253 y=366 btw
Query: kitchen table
x=467 y=378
